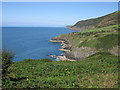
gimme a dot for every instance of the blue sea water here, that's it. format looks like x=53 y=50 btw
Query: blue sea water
x=32 y=42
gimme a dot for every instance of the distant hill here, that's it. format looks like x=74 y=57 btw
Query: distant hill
x=107 y=20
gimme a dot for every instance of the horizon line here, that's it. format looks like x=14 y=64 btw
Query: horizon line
x=32 y=26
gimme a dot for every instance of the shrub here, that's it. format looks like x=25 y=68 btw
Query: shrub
x=43 y=60
x=46 y=60
x=6 y=60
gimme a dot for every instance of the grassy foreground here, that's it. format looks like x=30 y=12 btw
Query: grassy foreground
x=97 y=71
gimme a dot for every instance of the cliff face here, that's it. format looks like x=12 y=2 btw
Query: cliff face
x=107 y=20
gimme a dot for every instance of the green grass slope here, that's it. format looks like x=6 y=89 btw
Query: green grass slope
x=103 y=38
x=104 y=43
x=107 y=20
x=104 y=29
x=85 y=43
x=97 y=71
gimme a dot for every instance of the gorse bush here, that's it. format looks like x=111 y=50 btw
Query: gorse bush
x=6 y=57
x=6 y=60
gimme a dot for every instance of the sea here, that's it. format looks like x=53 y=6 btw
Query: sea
x=32 y=42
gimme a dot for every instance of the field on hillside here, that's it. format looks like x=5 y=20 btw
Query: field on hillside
x=97 y=71
x=108 y=28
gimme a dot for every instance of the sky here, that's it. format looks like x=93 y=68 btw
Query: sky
x=52 y=14
x=60 y=0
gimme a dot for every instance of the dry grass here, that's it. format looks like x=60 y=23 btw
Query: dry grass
x=108 y=80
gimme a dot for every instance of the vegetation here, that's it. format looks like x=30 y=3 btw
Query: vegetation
x=100 y=42
x=97 y=71
x=99 y=39
x=6 y=61
x=103 y=29
x=107 y=20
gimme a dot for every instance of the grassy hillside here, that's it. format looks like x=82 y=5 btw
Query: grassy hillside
x=103 y=43
x=103 y=29
x=86 y=43
x=107 y=20
x=97 y=71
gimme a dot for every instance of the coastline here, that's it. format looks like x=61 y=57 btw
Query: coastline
x=63 y=57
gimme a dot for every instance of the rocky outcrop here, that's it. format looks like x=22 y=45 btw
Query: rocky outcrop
x=83 y=52
x=76 y=54
x=61 y=58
